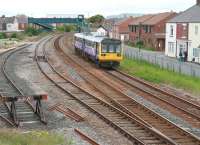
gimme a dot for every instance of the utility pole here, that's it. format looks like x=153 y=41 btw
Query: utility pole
x=139 y=35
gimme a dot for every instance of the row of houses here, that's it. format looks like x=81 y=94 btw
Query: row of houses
x=178 y=35
x=183 y=35
x=148 y=28
x=13 y=24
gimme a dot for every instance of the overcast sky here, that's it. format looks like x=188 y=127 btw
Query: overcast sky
x=40 y=8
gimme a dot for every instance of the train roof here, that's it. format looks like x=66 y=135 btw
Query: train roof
x=93 y=36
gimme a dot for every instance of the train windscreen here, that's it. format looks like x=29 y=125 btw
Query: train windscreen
x=111 y=46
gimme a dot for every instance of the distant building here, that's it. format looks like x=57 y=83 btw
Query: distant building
x=124 y=15
x=13 y=24
x=22 y=21
x=120 y=29
x=150 y=29
x=134 y=31
x=102 y=31
x=183 y=35
x=108 y=26
x=61 y=16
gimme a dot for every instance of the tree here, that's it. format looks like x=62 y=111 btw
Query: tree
x=14 y=35
x=96 y=19
x=3 y=35
x=32 y=31
x=66 y=28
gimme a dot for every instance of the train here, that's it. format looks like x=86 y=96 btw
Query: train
x=104 y=51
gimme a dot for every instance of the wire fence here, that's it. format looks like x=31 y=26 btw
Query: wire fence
x=163 y=61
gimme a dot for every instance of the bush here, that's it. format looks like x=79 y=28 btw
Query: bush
x=140 y=44
x=66 y=28
x=32 y=138
x=3 y=36
x=14 y=35
x=32 y=31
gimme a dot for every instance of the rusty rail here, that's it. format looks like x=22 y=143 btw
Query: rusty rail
x=127 y=111
x=27 y=103
x=86 y=137
x=156 y=133
x=67 y=112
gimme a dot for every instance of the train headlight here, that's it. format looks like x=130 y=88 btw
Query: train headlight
x=103 y=54
x=119 y=55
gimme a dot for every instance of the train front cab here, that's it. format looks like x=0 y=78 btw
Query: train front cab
x=110 y=53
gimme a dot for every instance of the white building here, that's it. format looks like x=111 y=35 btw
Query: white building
x=101 y=31
x=13 y=24
x=183 y=35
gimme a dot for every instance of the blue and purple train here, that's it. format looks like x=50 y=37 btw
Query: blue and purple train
x=102 y=50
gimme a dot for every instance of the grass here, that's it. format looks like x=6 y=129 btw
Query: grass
x=32 y=138
x=155 y=74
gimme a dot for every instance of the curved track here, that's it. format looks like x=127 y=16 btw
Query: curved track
x=134 y=109
x=135 y=130
x=23 y=110
x=191 y=108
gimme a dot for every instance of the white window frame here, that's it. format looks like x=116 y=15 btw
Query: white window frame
x=197 y=54
x=196 y=31
x=171 y=30
x=171 y=47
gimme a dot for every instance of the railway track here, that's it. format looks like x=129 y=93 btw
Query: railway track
x=135 y=130
x=18 y=113
x=191 y=108
x=135 y=109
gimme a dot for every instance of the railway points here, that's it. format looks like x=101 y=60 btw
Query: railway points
x=102 y=92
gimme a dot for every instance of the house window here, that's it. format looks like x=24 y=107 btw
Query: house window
x=171 y=31
x=134 y=29
x=184 y=26
x=171 y=47
x=147 y=29
x=196 y=30
x=196 y=52
x=130 y=28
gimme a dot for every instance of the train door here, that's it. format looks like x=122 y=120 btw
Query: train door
x=97 y=49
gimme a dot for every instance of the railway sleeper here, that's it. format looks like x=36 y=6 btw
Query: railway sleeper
x=16 y=109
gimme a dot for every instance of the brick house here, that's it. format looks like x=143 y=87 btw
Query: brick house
x=150 y=29
x=13 y=24
x=120 y=29
x=183 y=35
x=134 y=27
x=108 y=26
x=22 y=21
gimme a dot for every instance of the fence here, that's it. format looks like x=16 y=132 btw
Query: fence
x=162 y=61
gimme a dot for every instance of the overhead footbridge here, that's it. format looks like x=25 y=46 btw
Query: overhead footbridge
x=47 y=23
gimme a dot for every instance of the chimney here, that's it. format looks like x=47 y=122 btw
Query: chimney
x=198 y=2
